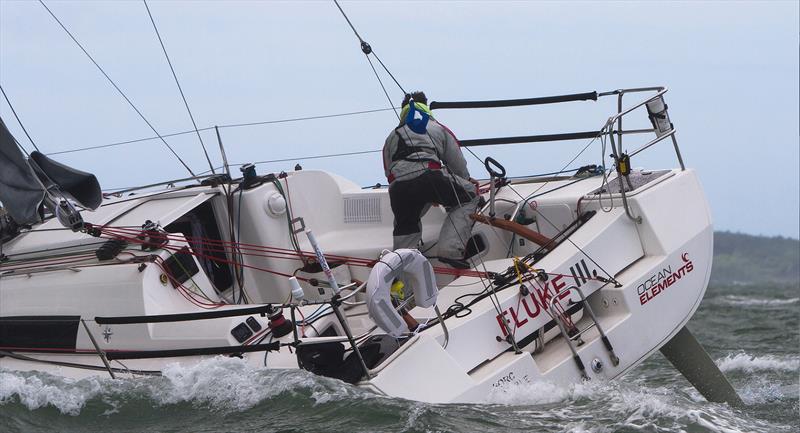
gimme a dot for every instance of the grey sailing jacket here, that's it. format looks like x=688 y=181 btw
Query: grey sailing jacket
x=439 y=144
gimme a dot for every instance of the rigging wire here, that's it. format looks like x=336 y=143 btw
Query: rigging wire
x=360 y=39
x=568 y=239
x=474 y=154
x=233 y=125
x=180 y=89
x=15 y=142
x=20 y=123
x=116 y=87
x=492 y=293
x=31 y=162
x=385 y=92
x=599 y=135
x=303 y=158
x=196 y=129
x=366 y=48
x=297 y=119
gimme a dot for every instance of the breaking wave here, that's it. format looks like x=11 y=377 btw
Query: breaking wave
x=749 y=363
x=220 y=388
x=36 y=392
x=737 y=300
x=627 y=407
x=218 y=384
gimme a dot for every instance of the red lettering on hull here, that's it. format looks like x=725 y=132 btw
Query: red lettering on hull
x=517 y=322
x=533 y=304
x=658 y=283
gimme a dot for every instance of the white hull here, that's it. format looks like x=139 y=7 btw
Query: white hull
x=662 y=264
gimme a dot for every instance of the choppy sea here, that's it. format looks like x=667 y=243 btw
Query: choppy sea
x=752 y=332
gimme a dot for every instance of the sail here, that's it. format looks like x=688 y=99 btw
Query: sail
x=27 y=184
x=78 y=186
x=20 y=191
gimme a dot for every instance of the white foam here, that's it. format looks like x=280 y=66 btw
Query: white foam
x=34 y=392
x=416 y=410
x=760 y=390
x=523 y=393
x=749 y=363
x=228 y=384
x=629 y=406
x=584 y=427
x=218 y=384
x=641 y=408
x=712 y=422
x=619 y=397
x=760 y=302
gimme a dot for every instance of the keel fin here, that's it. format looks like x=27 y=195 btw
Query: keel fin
x=692 y=361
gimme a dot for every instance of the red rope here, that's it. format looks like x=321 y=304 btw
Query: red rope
x=185 y=292
x=216 y=259
x=242 y=246
x=218 y=245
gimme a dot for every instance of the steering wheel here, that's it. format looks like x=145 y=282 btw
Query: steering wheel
x=491 y=164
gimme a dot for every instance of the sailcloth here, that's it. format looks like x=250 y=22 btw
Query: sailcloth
x=24 y=184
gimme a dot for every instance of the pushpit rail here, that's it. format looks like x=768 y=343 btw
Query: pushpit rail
x=656 y=111
x=517 y=102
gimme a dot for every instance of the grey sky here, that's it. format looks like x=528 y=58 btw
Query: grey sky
x=732 y=70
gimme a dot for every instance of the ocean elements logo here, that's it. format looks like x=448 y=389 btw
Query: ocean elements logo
x=663 y=279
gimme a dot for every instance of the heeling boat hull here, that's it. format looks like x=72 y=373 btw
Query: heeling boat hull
x=660 y=292
x=635 y=334
x=636 y=326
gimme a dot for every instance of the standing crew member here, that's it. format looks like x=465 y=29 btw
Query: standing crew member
x=424 y=165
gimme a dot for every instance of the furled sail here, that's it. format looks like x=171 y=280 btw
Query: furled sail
x=20 y=190
x=78 y=186
x=26 y=185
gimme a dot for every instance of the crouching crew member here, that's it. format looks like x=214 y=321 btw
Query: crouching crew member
x=424 y=165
